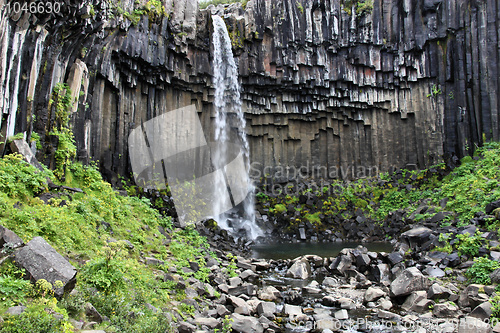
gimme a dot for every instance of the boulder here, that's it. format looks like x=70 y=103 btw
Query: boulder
x=445 y=310
x=266 y=309
x=209 y=322
x=341 y=264
x=16 y=310
x=495 y=276
x=41 y=261
x=269 y=293
x=382 y=273
x=301 y=269
x=185 y=327
x=409 y=280
x=417 y=301
x=437 y=291
x=341 y=314
x=373 y=293
x=482 y=311
x=9 y=237
x=246 y=324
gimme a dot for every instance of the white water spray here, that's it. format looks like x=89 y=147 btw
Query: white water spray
x=229 y=116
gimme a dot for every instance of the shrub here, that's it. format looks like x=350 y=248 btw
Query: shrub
x=480 y=271
x=469 y=245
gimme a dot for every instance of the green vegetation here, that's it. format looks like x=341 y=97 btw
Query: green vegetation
x=361 y=7
x=300 y=7
x=435 y=90
x=105 y=235
x=481 y=270
x=205 y=3
x=154 y=9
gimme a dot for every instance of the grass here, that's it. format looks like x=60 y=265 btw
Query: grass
x=106 y=237
x=205 y=3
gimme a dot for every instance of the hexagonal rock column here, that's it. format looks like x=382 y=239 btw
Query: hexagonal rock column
x=41 y=261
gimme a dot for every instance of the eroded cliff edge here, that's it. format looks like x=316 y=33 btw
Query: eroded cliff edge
x=400 y=85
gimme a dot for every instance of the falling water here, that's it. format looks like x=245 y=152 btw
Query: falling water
x=229 y=115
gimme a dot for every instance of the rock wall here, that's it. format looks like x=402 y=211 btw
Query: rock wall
x=403 y=84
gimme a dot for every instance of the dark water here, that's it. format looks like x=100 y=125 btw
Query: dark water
x=294 y=250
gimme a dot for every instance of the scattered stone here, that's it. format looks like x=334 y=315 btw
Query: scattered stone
x=246 y=324
x=382 y=314
x=266 y=309
x=395 y=258
x=153 y=261
x=409 y=280
x=301 y=269
x=16 y=310
x=445 y=310
x=41 y=261
x=341 y=264
x=341 y=314
x=209 y=322
x=373 y=293
x=269 y=293
x=382 y=273
x=347 y=303
x=185 y=327
x=437 y=291
x=10 y=238
x=435 y=272
x=92 y=313
x=495 y=276
x=330 y=282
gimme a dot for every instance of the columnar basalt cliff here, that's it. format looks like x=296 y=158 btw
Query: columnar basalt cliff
x=402 y=84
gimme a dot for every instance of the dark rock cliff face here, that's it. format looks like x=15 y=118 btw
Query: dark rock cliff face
x=400 y=85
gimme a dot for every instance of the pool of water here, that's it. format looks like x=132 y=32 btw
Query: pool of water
x=294 y=250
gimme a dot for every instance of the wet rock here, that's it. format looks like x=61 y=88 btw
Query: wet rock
x=41 y=261
x=154 y=262
x=409 y=280
x=301 y=269
x=373 y=293
x=445 y=310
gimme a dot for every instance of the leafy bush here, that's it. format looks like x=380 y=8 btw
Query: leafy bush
x=480 y=271
x=41 y=317
x=104 y=273
x=19 y=179
x=13 y=289
x=205 y=3
x=469 y=245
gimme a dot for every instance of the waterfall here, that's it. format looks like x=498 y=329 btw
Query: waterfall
x=230 y=128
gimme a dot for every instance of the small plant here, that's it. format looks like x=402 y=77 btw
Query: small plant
x=231 y=267
x=104 y=273
x=480 y=271
x=469 y=245
x=435 y=90
x=300 y=7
